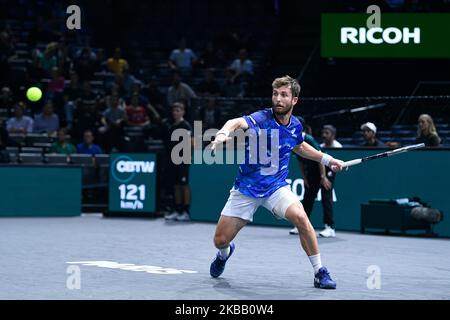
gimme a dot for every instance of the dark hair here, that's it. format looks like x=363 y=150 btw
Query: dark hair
x=178 y=105
x=330 y=127
x=21 y=105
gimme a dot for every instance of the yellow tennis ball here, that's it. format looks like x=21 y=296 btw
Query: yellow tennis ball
x=34 y=94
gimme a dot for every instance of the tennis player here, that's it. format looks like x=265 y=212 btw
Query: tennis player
x=253 y=187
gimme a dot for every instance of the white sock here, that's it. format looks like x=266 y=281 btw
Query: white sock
x=224 y=252
x=316 y=262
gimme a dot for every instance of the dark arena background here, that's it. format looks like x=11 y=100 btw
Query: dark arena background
x=94 y=207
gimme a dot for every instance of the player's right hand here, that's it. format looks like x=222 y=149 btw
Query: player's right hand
x=336 y=165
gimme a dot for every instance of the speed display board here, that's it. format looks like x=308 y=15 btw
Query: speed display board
x=132 y=182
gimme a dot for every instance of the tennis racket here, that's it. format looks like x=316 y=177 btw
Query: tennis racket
x=383 y=155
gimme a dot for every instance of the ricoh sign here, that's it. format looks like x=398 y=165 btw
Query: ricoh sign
x=379 y=35
x=413 y=35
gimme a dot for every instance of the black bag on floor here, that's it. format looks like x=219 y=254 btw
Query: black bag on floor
x=430 y=215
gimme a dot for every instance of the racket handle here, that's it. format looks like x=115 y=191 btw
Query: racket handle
x=352 y=163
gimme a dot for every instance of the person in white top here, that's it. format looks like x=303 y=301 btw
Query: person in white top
x=329 y=137
x=242 y=65
x=182 y=58
x=329 y=141
x=20 y=123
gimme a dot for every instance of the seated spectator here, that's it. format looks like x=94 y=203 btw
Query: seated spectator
x=179 y=91
x=87 y=96
x=143 y=101
x=4 y=139
x=6 y=99
x=85 y=63
x=65 y=63
x=88 y=146
x=209 y=86
x=113 y=120
x=20 y=123
x=48 y=58
x=7 y=51
x=426 y=131
x=211 y=57
x=231 y=88
x=137 y=116
x=70 y=96
x=182 y=58
x=369 y=131
x=56 y=84
x=85 y=52
x=242 y=66
x=116 y=64
x=210 y=115
x=130 y=82
x=86 y=117
x=34 y=71
x=116 y=86
x=100 y=63
x=61 y=145
x=47 y=121
x=329 y=137
x=155 y=96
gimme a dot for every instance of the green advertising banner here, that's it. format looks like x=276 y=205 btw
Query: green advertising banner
x=417 y=173
x=40 y=191
x=400 y=35
x=132 y=182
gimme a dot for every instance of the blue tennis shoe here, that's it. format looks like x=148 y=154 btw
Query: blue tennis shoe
x=218 y=265
x=322 y=279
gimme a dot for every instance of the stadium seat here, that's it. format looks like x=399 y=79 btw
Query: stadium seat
x=102 y=159
x=407 y=141
x=17 y=138
x=33 y=138
x=89 y=176
x=12 y=149
x=82 y=159
x=32 y=150
x=31 y=158
x=104 y=174
x=57 y=158
x=403 y=133
x=13 y=157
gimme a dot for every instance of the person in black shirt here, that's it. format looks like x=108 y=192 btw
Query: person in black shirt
x=315 y=178
x=209 y=86
x=86 y=117
x=4 y=137
x=155 y=97
x=426 y=131
x=179 y=173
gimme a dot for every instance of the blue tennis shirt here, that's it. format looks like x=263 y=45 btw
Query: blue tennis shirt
x=260 y=177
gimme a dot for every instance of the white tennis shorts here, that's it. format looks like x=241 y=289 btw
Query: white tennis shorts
x=242 y=206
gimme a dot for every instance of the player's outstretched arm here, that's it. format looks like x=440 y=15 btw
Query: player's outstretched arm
x=223 y=134
x=307 y=151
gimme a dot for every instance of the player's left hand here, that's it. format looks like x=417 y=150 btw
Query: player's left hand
x=336 y=165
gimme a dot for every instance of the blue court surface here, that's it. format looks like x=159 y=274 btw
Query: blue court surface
x=91 y=257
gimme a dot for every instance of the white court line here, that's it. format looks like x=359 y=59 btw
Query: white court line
x=131 y=267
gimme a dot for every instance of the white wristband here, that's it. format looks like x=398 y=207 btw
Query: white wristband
x=326 y=158
x=223 y=131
